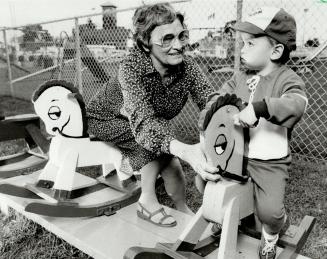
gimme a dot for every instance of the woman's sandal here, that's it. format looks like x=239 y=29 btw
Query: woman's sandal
x=150 y=215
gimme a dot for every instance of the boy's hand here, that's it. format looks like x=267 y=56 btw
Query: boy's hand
x=246 y=118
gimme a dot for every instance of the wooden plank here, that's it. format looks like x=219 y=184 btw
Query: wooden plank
x=4 y=207
x=17 y=127
x=22 y=117
x=26 y=161
x=10 y=159
x=110 y=237
x=14 y=127
x=80 y=181
x=14 y=169
x=38 y=138
x=101 y=237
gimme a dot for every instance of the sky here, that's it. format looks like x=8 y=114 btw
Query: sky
x=309 y=14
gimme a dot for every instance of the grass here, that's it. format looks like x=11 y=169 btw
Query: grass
x=305 y=195
x=22 y=238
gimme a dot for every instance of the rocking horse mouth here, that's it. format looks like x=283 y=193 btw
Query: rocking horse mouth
x=224 y=143
x=225 y=173
x=54 y=129
x=67 y=136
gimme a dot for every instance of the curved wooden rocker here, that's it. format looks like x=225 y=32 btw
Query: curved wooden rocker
x=27 y=127
x=227 y=201
x=61 y=108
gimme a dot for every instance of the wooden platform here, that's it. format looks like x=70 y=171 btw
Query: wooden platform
x=27 y=127
x=109 y=237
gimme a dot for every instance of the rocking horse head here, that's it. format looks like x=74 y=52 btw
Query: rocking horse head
x=61 y=107
x=221 y=140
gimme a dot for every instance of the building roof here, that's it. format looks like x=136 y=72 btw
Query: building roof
x=114 y=34
x=109 y=4
x=117 y=35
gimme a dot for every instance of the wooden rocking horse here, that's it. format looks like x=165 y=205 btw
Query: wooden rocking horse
x=61 y=108
x=227 y=201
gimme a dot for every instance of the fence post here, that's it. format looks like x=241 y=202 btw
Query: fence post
x=78 y=57
x=237 y=55
x=8 y=64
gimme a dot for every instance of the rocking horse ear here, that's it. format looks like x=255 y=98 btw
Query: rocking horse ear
x=71 y=95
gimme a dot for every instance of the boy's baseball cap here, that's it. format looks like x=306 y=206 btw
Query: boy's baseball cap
x=273 y=22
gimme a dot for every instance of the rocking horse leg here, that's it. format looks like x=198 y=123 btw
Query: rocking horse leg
x=108 y=170
x=116 y=159
x=191 y=235
x=116 y=173
x=66 y=174
x=228 y=239
x=49 y=172
x=187 y=241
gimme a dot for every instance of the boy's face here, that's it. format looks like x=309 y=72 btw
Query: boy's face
x=256 y=52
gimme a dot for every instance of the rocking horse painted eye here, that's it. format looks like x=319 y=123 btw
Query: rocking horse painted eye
x=54 y=112
x=222 y=141
x=221 y=144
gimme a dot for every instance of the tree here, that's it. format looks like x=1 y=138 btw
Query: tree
x=312 y=43
x=90 y=25
x=31 y=32
x=35 y=37
x=109 y=22
x=229 y=37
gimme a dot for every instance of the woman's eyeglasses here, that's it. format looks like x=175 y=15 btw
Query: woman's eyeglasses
x=169 y=39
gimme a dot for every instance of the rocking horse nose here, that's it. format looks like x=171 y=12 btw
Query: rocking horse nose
x=54 y=129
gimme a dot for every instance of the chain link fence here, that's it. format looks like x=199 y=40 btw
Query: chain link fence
x=87 y=50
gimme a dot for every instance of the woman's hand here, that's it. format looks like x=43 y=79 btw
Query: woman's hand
x=194 y=155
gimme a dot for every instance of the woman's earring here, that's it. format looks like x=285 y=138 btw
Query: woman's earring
x=143 y=46
x=146 y=49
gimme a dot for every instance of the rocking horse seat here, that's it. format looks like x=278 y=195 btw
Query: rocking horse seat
x=27 y=127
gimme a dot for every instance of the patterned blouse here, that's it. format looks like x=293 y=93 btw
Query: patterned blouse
x=150 y=104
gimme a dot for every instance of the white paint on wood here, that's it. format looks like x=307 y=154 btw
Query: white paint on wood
x=110 y=237
x=194 y=229
x=217 y=197
x=228 y=239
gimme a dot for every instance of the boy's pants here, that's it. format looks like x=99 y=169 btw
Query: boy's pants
x=269 y=178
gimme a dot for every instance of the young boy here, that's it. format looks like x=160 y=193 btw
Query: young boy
x=276 y=102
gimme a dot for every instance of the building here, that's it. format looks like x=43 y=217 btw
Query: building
x=111 y=34
x=214 y=44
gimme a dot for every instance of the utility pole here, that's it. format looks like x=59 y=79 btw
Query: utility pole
x=237 y=58
x=305 y=10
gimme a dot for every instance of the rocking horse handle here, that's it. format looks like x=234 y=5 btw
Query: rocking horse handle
x=236 y=177
x=2 y=116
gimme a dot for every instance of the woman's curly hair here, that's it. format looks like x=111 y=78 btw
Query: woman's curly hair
x=147 y=18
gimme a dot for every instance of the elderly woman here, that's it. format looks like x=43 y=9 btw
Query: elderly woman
x=136 y=111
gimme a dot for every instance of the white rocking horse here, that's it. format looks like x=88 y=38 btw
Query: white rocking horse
x=61 y=108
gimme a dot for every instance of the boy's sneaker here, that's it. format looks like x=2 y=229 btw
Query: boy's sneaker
x=216 y=229
x=267 y=249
